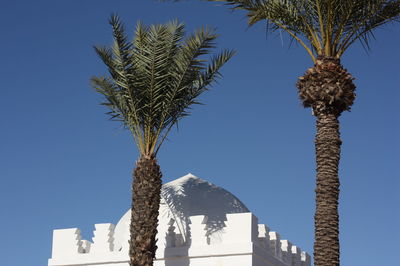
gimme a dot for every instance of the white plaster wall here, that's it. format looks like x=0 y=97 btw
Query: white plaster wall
x=243 y=242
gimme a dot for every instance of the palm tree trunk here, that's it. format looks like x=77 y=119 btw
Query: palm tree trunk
x=146 y=189
x=329 y=90
x=327 y=146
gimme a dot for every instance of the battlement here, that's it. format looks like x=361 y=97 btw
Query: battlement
x=242 y=242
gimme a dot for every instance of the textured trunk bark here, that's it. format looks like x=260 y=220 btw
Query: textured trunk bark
x=146 y=189
x=329 y=89
x=327 y=146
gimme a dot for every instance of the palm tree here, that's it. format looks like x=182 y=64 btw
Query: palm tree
x=154 y=79
x=326 y=29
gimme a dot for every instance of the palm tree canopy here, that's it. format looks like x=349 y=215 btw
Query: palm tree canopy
x=156 y=77
x=322 y=27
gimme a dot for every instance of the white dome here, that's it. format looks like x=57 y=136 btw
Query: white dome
x=184 y=197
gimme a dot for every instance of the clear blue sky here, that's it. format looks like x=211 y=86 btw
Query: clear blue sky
x=63 y=164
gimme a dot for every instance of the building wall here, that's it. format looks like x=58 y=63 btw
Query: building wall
x=242 y=242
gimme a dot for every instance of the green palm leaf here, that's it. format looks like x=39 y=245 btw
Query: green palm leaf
x=156 y=78
x=322 y=27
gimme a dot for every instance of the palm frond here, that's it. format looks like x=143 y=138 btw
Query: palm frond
x=367 y=16
x=322 y=27
x=156 y=78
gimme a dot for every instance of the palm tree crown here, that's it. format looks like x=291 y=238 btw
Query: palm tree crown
x=156 y=78
x=322 y=27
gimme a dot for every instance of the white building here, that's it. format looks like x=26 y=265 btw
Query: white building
x=200 y=224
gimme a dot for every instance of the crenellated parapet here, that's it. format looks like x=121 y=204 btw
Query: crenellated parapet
x=67 y=243
x=103 y=239
x=241 y=242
